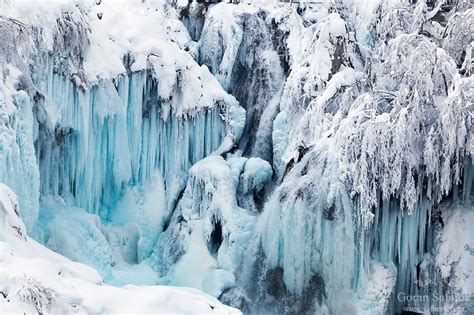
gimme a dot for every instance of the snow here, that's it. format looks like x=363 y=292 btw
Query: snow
x=143 y=31
x=256 y=173
x=10 y=212
x=335 y=177
x=155 y=41
x=208 y=204
x=36 y=280
x=380 y=287
x=312 y=158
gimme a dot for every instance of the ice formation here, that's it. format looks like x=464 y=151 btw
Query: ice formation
x=309 y=158
x=38 y=281
x=134 y=114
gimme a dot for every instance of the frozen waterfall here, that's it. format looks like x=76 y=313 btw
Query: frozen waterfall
x=287 y=158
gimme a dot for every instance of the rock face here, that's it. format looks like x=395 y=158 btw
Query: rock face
x=310 y=159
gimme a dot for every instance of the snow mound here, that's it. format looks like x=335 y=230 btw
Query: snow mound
x=256 y=173
x=37 y=280
x=207 y=227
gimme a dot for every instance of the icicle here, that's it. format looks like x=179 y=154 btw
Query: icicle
x=96 y=141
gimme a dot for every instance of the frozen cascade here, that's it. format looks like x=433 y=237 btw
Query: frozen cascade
x=111 y=137
x=347 y=180
x=375 y=222
x=240 y=49
x=105 y=136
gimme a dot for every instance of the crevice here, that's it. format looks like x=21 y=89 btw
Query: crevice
x=215 y=239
